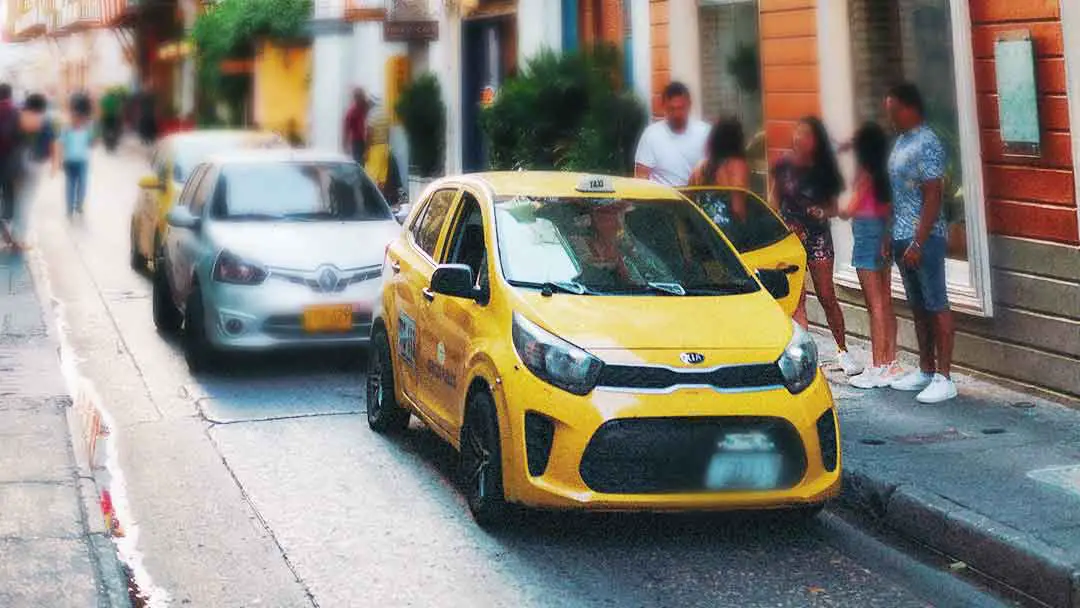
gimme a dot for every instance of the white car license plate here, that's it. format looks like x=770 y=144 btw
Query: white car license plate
x=743 y=471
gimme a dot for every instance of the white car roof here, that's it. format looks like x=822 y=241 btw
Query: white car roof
x=277 y=155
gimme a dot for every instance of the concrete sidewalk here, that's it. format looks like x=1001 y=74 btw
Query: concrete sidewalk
x=991 y=479
x=54 y=549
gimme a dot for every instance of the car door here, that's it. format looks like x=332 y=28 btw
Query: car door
x=452 y=320
x=185 y=244
x=413 y=262
x=762 y=238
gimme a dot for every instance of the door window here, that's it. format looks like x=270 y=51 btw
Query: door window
x=193 y=184
x=429 y=224
x=203 y=191
x=760 y=229
x=467 y=244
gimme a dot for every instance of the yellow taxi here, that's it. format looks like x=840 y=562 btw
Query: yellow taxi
x=596 y=342
x=174 y=159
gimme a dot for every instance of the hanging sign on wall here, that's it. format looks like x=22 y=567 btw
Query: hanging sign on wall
x=1018 y=95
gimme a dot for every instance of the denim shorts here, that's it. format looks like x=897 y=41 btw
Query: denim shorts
x=924 y=284
x=867 y=252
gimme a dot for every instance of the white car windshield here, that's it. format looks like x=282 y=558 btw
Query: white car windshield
x=334 y=191
x=194 y=150
x=615 y=247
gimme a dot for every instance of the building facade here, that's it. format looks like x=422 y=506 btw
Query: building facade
x=64 y=48
x=1014 y=245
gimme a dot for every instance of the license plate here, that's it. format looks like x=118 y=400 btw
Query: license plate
x=743 y=471
x=332 y=318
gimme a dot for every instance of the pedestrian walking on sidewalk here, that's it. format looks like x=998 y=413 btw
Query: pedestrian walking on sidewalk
x=725 y=167
x=669 y=149
x=870 y=211
x=355 y=130
x=9 y=158
x=806 y=185
x=76 y=142
x=917 y=172
x=36 y=148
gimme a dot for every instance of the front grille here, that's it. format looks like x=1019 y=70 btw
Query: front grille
x=733 y=377
x=292 y=326
x=826 y=429
x=345 y=278
x=671 y=455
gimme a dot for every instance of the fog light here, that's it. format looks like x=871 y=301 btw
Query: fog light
x=826 y=429
x=539 y=434
x=234 y=326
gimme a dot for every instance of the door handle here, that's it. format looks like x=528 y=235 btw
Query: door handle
x=395 y=266
x=428 y=294
x=788 y=268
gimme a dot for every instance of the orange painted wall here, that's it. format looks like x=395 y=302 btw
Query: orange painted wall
x=789 y=63
x=1027 y=198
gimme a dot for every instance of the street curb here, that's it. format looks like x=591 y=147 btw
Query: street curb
x=1011 y=556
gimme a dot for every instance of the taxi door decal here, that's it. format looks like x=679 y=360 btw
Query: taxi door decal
x=407 y=339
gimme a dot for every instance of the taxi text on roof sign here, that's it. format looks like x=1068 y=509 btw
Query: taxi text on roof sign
x=596 y=183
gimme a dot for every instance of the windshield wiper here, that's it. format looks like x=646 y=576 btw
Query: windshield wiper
x=547 y=288
x=721 y=289
x=673 y=289
x=255 y=216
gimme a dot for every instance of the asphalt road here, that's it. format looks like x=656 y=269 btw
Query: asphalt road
x=264 y=487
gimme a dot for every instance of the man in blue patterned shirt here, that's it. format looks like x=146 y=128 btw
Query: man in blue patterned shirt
x=917 y=173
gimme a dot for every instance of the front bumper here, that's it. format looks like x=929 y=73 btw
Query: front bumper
x=594 y=463
x=269 y=316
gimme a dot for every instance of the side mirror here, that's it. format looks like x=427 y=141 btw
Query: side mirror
x=401 y=213
x=454 y=280
x=181 y=217
x=151 y=182
x=775 y=282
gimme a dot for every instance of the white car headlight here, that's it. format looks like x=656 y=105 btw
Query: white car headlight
x=553 y=359
x=799 y=363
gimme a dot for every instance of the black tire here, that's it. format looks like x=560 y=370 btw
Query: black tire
x=481 y=462
x=166 y=317
x=384 y=414
x=198 y=352
x=138 y=260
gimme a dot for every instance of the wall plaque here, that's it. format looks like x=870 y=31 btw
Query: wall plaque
x=1018 y=96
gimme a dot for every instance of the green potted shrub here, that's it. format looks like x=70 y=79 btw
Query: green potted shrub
x=423 y=115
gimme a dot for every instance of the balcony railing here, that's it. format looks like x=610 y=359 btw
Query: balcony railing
x=30 y=23
x=80 y=15
x=330 y=10
x=349 y=10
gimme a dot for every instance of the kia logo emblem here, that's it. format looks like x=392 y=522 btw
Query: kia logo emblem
x=692 y=358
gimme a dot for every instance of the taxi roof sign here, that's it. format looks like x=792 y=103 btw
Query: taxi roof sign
x=596 y=183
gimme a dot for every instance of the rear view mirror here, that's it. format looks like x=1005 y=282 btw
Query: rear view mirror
x=151 y=182
x=454 y=280
x=181 y=217
x=775 y=282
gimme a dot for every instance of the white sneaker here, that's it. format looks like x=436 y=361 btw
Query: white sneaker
x=891 y=372
x=940 y=389
x=848 y=363
x=914 y=381
x=870 y=378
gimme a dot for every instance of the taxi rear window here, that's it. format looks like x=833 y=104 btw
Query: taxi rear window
x=615 y=246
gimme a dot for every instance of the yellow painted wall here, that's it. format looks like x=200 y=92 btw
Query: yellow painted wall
x=282 y=87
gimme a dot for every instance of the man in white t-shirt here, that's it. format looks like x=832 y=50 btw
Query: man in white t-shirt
x=669 y=149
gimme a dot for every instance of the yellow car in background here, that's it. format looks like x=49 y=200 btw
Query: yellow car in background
x=596 y=342
x=173 y=160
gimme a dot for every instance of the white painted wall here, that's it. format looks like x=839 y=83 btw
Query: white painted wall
x=330 y=88
x=683 y=34
x=641 y=51
x=539 y=25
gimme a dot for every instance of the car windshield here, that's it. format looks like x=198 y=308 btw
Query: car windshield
x=760 y=228
x=194 y=150
x=590 y=246
x=336 y=191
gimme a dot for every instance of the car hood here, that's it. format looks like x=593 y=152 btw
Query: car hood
x=747 y=322
x=306 y=245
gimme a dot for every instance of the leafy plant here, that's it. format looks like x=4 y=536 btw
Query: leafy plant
x=565 y=112
x=423 y=114
x=745 y=67
x=112 y=102
x=229 y=29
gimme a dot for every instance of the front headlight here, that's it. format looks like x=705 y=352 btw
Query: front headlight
x=798 y=364
x=553 y=359
x=232 y=269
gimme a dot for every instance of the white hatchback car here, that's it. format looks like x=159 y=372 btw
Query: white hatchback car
x=272 y=248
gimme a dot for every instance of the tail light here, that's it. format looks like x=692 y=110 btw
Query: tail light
x=231 y=269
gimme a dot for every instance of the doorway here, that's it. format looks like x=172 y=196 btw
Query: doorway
x=489 y=54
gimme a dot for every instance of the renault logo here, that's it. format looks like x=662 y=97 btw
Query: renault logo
x=328 y=280
x=692 y=358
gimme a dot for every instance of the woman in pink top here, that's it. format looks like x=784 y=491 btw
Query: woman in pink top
x=870 y=209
